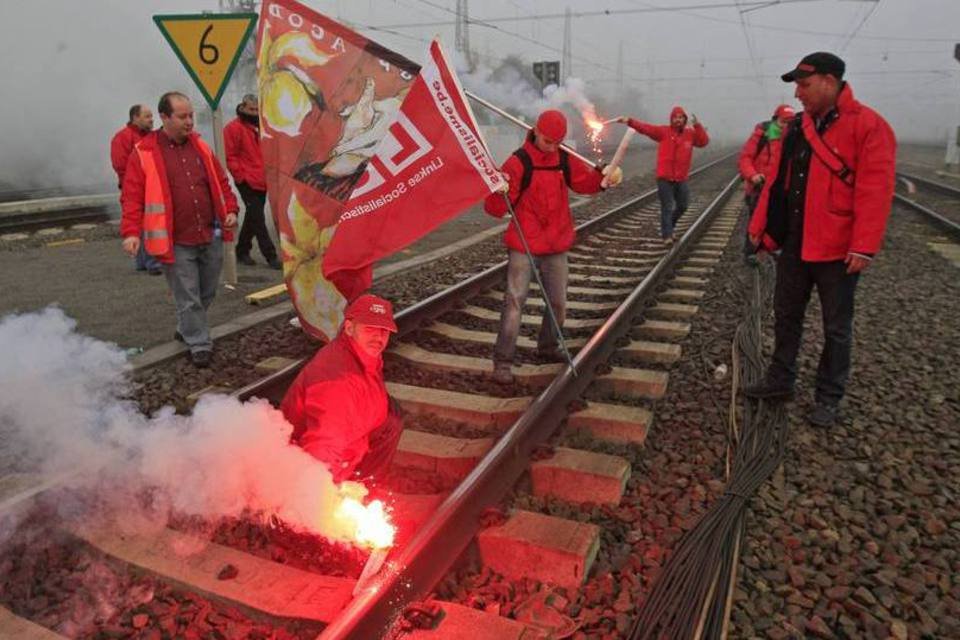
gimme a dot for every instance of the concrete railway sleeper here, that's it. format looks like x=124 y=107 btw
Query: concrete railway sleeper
x=482 y=469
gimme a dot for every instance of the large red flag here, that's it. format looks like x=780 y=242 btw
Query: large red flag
x=327 y=96
x=431 y=165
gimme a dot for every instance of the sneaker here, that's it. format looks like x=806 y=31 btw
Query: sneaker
x=156 y=271
x=768 y=390
x=245 y=259
x=201 y=359
x=668 y=241
x=502 y=373
x=179 y=337
x=275 y=264
x=824 y=415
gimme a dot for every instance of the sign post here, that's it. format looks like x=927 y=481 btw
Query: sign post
x=209 y=46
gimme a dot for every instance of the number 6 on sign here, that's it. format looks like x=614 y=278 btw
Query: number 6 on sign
x=208 y=46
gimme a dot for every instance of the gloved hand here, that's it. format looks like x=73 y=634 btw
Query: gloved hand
x=612 y=178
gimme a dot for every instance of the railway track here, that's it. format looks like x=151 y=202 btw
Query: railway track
x=938 y=202
x=31 y=215
x=630 y=300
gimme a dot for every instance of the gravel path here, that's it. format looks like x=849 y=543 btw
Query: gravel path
x=859 y=537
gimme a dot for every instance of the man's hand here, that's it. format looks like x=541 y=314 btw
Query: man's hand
x=693 y=119
x=855 y=263
x=622 y=119
x=131 y=245
x=505 y=185
x=754 y=240
x=612 y=178
x=757 y=179
x=230 y=221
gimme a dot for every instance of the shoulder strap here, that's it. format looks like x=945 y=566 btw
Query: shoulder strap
x=826 y=155
x=565 y=165
x=761 y=145
x=527 y=175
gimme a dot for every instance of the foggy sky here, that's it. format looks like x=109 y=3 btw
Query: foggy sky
x=71 y=69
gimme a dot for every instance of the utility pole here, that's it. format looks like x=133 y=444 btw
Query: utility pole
x=567 y=69
x=952 y=159
x=620 y=71
x=462 y=34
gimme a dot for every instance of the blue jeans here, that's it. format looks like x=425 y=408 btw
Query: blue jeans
x=553 y=272
x=143 y=261
x=193 y=279
x=674 y=200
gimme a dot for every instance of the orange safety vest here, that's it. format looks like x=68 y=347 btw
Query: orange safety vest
x=157 y=219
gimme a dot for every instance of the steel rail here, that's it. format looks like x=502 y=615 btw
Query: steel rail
x=934 y=217
x=941 y=187
x=423 y=561
x=273 y=386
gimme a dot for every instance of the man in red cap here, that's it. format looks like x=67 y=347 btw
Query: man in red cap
x=757 y=159
x=338 y=404
x=538 y=175
x=825 y=207
x=674 y=155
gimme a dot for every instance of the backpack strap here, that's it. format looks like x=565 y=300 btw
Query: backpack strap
x=827 y=156
x=762 y=144
x=527 y=176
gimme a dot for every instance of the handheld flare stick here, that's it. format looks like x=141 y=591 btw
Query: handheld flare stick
x=617 y=156
x=521 y=123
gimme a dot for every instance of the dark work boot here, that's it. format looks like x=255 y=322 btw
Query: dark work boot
x=245 y=259
x=767 y=389
x=824 y=415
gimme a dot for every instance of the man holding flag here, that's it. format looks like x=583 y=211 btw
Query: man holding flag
x=539 y=174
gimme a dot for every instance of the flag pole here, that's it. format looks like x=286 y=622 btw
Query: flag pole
x=543 y=290
x=520 y=123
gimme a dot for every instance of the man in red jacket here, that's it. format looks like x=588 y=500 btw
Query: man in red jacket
x=139 y=124
x=757 y=159
x=176 y=194
x=825 y=207
x=538 y=176
x=241 y=141
x=674 y=154
x=338 y=404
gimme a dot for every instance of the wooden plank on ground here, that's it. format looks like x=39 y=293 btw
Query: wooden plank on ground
x=259 y=297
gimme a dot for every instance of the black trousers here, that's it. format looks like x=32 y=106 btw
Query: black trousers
x=835 y=287
x=253 y=224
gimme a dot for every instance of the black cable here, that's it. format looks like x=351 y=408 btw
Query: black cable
x=692 y=597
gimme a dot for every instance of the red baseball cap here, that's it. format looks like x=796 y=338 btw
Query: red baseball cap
x=553 y=124
x=784 y=111
x=372 y=310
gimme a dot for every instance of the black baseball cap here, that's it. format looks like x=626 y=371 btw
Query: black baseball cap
x=818 y=62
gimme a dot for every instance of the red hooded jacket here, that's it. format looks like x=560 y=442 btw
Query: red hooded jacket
x=121 y=146
x=132 y=197
x=543 y=210
x=756 y=158
x=241 y=143
x=675 y=151
x=839 y=218
x=335 y=403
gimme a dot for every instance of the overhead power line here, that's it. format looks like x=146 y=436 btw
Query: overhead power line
x=743 y=6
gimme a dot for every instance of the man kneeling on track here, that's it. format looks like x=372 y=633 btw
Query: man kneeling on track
x=338 y=404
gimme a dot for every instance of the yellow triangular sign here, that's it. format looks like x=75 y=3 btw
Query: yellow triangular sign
x=208 y=46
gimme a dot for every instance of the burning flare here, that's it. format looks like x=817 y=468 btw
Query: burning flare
x=369 y=524
x=594 y=127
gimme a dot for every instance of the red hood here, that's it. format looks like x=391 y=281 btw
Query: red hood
x=678 y=110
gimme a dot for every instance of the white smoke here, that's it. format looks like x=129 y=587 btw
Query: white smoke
x=62 y=413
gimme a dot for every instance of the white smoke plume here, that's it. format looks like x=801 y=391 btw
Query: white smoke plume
x=62 y=413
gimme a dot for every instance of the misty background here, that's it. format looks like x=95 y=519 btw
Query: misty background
x=71 y=70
